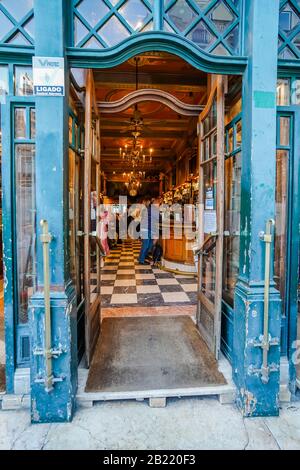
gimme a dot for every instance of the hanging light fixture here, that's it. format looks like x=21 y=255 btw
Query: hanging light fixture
x=134 y=153
x=133 y=181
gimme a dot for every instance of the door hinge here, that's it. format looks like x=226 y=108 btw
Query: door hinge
x=263 y=371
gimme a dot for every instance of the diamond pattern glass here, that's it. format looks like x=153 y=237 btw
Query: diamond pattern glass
x=113 y=32
x=286 y=53
x=181 y=15
x=211 y=25
x=201 y=36
x=93 y=10
x=220 y=50
x=19 y=39
x=17 y=8
x=289 y=29
x=233 y=39
x=80 y=31
x=288 y=19
x=202 y=4
x=19 y=12
x=221 y=16
x=296 y=41
x=5 y=25
x=148 y=27
x=135 y=13
x=29 y=27
x=92 y=43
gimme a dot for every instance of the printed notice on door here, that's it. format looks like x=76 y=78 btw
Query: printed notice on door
x=48 y=76
x=210 y=221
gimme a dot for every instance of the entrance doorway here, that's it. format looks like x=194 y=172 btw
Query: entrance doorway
x=154 y=131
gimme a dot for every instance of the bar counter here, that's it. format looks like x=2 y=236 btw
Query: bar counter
x=177 y=252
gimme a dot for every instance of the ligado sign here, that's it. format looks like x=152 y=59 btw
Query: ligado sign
x=48 y=76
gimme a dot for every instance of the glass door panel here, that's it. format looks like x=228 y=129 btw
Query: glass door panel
x=25 y=208
x=25 y=226
x=231 y=226
x=211 y=181
x=282 y=161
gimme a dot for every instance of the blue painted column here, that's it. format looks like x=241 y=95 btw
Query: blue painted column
x=256 y=398
x=52 y=204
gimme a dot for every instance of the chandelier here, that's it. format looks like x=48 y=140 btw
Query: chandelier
x=133 y=182
x=135 y=154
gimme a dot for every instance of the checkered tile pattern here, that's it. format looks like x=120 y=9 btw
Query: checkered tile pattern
x=125 y=282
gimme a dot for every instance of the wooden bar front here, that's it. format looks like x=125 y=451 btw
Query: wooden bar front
x=177 y=250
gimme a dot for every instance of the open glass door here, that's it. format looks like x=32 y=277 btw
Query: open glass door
x=211 y=215
x=91 y=203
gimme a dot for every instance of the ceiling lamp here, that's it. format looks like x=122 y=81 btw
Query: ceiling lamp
x=133 y=182
x=134 y=153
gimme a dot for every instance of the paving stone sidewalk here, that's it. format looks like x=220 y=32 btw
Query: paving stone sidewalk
x=194 y=423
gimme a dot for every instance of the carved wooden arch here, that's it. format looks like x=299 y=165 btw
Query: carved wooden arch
x=160 y=96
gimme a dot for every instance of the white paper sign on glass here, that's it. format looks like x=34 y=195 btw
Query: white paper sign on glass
x=210 y=221
x=48 y=76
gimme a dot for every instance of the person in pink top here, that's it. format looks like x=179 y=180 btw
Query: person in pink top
x=103 y=229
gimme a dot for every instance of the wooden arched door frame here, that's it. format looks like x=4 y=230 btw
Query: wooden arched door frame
x=145 y=94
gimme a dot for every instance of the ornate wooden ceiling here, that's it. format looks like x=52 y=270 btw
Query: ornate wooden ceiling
x=166 y=131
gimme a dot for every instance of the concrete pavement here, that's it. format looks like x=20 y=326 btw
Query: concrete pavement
x=193 y=423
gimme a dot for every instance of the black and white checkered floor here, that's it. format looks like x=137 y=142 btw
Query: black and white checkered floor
x=125 y=282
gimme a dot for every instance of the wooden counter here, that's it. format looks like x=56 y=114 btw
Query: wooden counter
x=177 y=250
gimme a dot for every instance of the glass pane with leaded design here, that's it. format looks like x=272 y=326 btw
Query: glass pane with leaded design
x=148 y=27
x=135 y=13
x=221 y=16
x=18 y=9
x=181 y=15
x=113 y=32
x=29 y=27
x=19 y=40
x=287 y=53
x=296 y=41
x=289 y=19
x=202 y=36
x=203 y=4
x=93 y=43
x=233 y=39
x=220 y=50
x=92 y=10
x=80 y=31
x=5 y=25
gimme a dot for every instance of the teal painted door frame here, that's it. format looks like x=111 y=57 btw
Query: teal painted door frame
x=289 y=326
x=257 y=395
x=260 y=73
x=12 y=327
